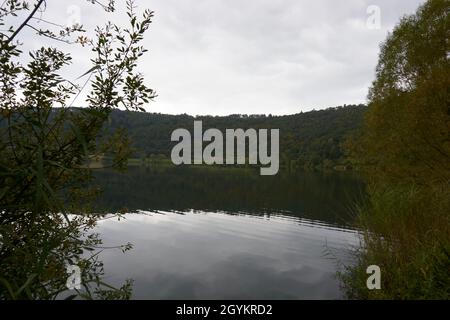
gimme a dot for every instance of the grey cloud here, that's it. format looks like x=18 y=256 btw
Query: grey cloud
x=255 y=56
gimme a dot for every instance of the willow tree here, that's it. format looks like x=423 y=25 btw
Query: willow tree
x=45 y=144
x=404 y=148
x=406 y=134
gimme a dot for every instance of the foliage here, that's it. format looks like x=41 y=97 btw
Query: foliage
x=406 y=129
x=311 y=139
x=44 y=146
x=404 y=147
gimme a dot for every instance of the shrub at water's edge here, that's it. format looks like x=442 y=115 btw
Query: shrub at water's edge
x=47 y=239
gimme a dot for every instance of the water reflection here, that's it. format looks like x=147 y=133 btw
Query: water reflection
x=221 y=256
x=228 y=233
x=326 y=197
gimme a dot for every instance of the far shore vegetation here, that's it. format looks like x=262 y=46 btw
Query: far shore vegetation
x=310 y=141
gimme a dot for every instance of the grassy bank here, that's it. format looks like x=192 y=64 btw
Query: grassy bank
x=408 y=237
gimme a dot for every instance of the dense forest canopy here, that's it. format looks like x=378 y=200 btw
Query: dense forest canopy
x=314 y=139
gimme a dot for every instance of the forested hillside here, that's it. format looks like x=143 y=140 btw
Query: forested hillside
x=310 y=139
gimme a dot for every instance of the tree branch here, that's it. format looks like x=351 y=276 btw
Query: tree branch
x=25 y=22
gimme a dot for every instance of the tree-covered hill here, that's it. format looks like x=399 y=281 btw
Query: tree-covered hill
x=311 y=139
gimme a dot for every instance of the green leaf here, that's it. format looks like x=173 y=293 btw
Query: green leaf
x=89 y=71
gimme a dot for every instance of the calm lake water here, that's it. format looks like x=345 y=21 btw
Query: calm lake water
x=213 y=233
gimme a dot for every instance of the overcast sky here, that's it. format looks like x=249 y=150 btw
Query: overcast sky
x=253 y=56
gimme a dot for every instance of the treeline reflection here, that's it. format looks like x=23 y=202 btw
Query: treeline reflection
x=328 y=197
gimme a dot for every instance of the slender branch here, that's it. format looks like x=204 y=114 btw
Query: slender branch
x=24 y=23
x=48 y=35
x=3 y=3
x=48 y=22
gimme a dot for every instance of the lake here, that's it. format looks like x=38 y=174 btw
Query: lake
x=228 y=233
